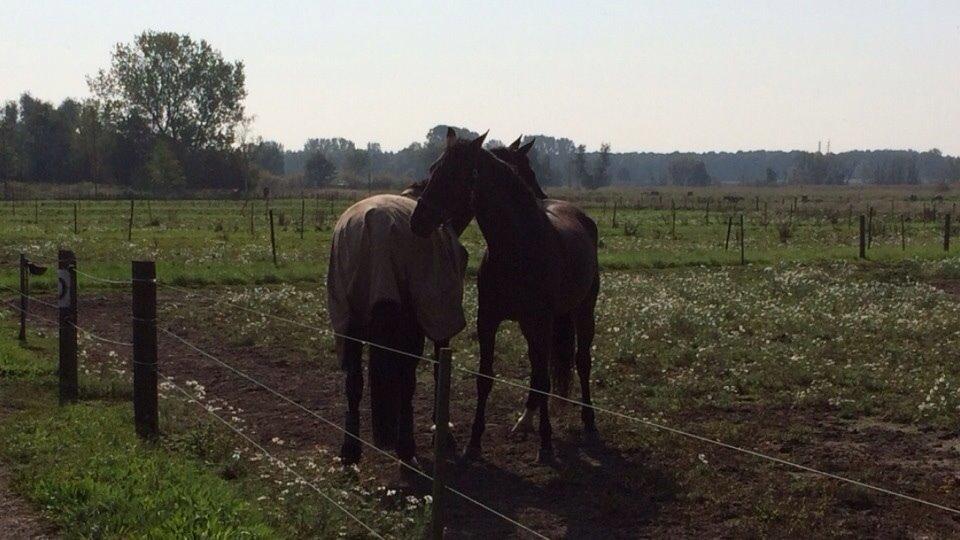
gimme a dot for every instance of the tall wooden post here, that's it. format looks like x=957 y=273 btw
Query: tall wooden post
x=946 y=232
x=130 y=223
x=673 y=213
x=24 y=294
x=726 y=245
x=743 y=258
x=863 y=237
x=273 y=240
x=903 y=234
x=303 y=210
x=440 y=442
x=67 y=302
x=145 y=410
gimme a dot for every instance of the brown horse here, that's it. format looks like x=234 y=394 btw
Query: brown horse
x=540 y=269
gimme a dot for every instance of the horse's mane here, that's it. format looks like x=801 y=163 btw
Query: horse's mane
x=507 y=155
x=507 y=174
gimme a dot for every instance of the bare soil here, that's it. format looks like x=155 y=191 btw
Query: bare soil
x=609 y=489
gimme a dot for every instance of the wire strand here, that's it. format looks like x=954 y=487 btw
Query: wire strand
x=344 y=431
x=31 y=298
x=604 y=410
x=101 y=279
x=192 y=399
x=300 y=324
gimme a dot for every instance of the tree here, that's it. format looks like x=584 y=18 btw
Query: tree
x=181 y=89
x=319 y=171
x=688 y=171
x=601 y=173
x=772 y=177
x=163 y=171
x=580 y=166
x=267 y=155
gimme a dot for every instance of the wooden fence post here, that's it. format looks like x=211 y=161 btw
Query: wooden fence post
x=440 y=441
x=67 y=302
x=273 y=241
x=743 y=258
x=870 y=229
x=145 y=410
x=726 y=246
x=673 y=213
x=303 y=210
x=130 y=223
x=903 y=234
x=76 y=226
x=24 y=293
x=863 y=237
x=946 y=232
x=252 y=203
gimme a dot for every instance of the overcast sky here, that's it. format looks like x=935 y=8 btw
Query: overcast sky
x=645 y=76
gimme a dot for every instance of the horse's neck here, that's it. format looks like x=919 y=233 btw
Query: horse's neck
x=509 y=215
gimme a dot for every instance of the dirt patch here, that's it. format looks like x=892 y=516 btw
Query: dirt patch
x=612 y=489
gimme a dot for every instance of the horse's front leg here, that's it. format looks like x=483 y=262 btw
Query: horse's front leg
x=487 y=326
x=538 y=332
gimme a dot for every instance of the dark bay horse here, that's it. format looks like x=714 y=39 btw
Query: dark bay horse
x=539 y=269
x=391 y=288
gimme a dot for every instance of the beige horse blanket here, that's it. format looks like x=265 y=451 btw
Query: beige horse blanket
x=375 y=257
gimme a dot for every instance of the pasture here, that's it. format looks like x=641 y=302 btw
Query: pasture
x=805 y=353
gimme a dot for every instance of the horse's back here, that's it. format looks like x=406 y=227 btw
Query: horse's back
x=375 y=257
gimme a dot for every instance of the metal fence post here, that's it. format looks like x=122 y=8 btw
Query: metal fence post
x=67 y=302
x=145 y=409
x=440 y=441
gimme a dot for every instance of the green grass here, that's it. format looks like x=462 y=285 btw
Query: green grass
x=85 y=470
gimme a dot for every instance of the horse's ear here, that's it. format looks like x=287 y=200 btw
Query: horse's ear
x=477 y=143
x=526 y=148
x=451 y=137
x=515 y=145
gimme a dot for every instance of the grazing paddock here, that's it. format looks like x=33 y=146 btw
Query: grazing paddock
x=805 y=354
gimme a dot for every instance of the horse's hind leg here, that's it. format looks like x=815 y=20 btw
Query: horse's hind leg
x=586 y=328
x=411 y=342
x=539 y=334
x=561 y=364
x=351 y=361
x=384 y=374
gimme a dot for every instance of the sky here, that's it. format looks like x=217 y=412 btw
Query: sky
x=643 y=76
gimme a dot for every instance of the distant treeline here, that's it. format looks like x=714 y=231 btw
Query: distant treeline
x=73 y=142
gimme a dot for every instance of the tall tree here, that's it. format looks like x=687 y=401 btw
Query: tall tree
x=319 y=171
x=580 y=166
x=182 y=90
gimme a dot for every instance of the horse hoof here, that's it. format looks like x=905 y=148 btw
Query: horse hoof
x=350 y=453
x=470 y=454
x=591 y=435
x=546 y=457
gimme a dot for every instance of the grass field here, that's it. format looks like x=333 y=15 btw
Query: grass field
x=806 y=353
